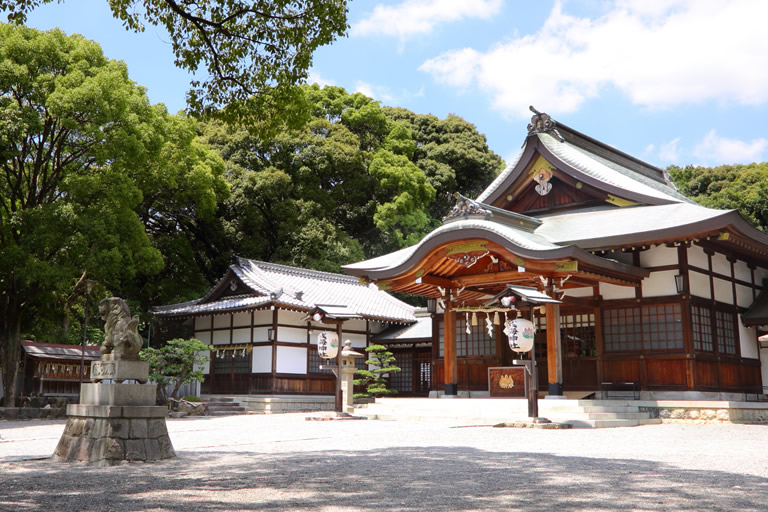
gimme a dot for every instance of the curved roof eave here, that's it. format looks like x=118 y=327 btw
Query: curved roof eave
x=729 y=218
x=478 y=231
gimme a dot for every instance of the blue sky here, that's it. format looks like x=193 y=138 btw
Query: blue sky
x=668 y=81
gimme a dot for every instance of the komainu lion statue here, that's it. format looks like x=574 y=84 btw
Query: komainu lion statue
x=121 y=336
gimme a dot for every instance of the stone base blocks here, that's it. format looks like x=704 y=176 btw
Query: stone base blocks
x=116 y=422
x=108 y=435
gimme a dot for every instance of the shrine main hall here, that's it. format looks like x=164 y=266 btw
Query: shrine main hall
x=647 y=286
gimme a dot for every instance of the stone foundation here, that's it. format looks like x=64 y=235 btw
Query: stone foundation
x=108 y=435
x=116 y=422
x=706 y=411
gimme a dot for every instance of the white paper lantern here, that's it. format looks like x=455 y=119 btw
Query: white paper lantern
x=520 y=332
x=327 y=345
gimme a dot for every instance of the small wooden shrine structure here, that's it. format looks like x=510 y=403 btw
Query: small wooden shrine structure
x=54 y=369
x=656 y=290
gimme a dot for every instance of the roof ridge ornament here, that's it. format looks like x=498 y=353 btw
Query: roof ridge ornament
x=541 y=122
x=465 y=207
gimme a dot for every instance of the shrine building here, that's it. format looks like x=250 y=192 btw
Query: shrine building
x=264 y=342
x=653 y=289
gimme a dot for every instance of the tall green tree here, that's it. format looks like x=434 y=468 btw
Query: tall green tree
x=739 y=187
x=75 y=135
x=451 y=152
x=252 y=54
x=348 y=185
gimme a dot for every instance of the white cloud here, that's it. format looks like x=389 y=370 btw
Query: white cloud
x=315 y=78
x=669 y=151
x=413 y=17
x=721 y=150
x=376 y=92
x=658 y=53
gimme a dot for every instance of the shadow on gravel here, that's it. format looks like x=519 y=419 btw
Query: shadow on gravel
x=403 y=479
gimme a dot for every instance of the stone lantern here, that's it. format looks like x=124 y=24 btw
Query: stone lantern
x=348 y=369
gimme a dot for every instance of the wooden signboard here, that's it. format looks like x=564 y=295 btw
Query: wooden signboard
x=507 y=382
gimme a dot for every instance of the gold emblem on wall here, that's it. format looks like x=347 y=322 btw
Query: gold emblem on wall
x=506 y=382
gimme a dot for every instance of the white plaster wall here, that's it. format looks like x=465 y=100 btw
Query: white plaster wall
x=358 y=340
x=723 y=291
x=291 y=334
x=660 y=284
x=261 y=360
x=262 y=316
x=202 y=322
x=291 y=360
x=204 y=336
x=657 y=256
x=205 y=367
x=748 y=339
x=742 y=271
x=720 y=264
x=291 y=317
x=579 y=292
x=744 y=296
x=354 y=325
x=697 y=257
x=611 y=291
x=220 y=338
x=222 y=320
x=699 y=284
x=242 y=319
x=241 y=335
x=260 y=333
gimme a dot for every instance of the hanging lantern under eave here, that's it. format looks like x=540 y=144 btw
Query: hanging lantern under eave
x=520 y=332
x=327 y=345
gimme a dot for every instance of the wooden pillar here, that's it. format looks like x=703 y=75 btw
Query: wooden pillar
x=450 y=363
x=338 y=405
x=554 y=350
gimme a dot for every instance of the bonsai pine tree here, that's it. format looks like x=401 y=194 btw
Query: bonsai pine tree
x=380 y=364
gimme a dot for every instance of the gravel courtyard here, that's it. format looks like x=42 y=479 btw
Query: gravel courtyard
x=283 y=462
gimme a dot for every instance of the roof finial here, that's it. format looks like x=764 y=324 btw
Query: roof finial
x=542 y=123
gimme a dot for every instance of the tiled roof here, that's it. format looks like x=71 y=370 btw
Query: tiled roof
x=299 y=289
x=58 y=351
x=419 y=331
x=607 y=171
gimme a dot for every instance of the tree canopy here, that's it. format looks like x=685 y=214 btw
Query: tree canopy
x=357 y=181
x=739 y=187
x=247 y=56
x=82 y=154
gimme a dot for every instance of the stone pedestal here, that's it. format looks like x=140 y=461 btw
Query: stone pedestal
x=116 y=422
x=348 y=370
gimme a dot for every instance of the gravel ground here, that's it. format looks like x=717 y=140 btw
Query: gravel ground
x=283 y=462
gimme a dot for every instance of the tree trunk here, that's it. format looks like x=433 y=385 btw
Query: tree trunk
x=10 y=348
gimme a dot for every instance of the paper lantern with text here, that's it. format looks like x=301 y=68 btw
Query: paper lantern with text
x=520 y=332
x=327 y=345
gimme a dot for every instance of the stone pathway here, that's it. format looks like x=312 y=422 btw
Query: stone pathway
x=282 y=462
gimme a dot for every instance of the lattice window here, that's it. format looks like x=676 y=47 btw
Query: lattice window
x=477 y=343
x=726 y=331
x=402 y=380
x=662 y=327
x=314 y=362
x=622 y=329
x=577 y=334
x=701 y=320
